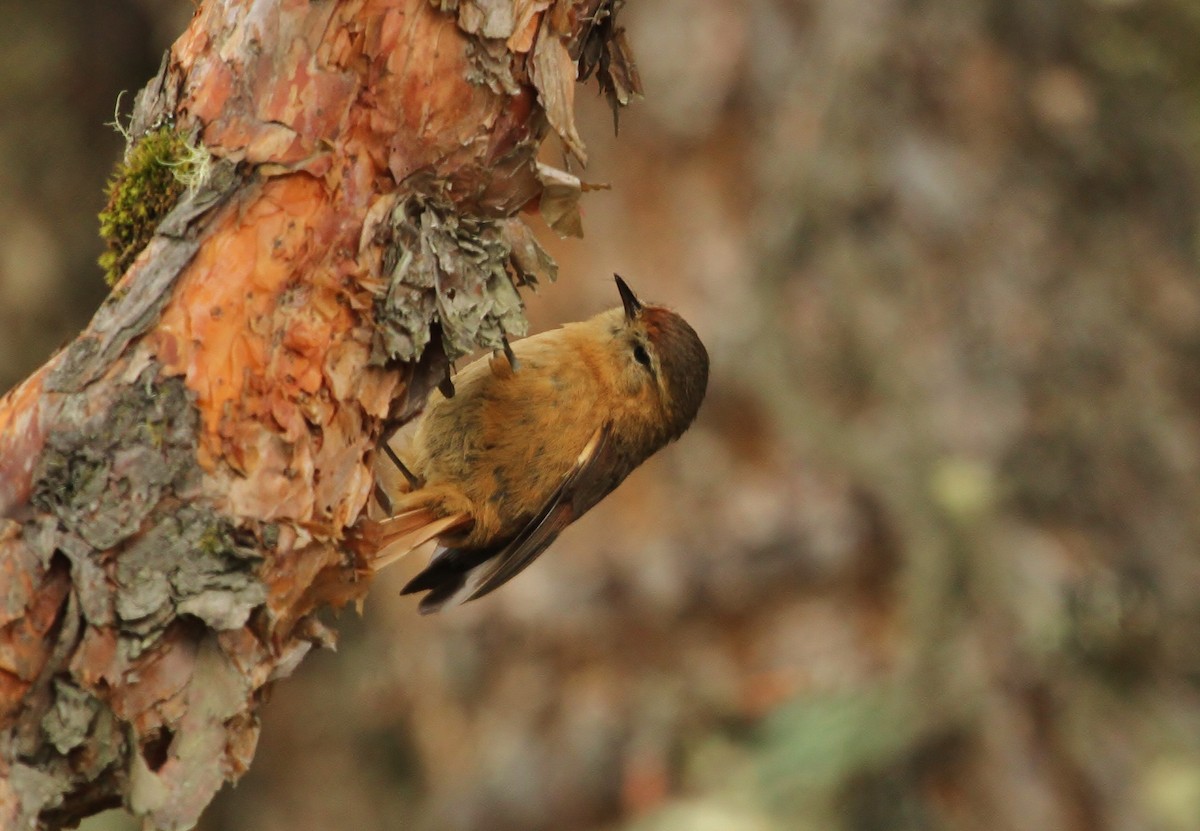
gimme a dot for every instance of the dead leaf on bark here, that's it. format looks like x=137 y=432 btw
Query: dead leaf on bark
x=605 y=51
x=559 y=203
x=553 y=73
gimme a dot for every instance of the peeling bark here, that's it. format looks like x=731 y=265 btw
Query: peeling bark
x=179 y=486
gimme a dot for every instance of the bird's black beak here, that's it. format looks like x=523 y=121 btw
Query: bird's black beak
x=632 y=305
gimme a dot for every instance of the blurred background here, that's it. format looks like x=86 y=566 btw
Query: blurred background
x=930 y=558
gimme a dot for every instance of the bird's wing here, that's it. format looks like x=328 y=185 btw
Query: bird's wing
x=590 y=479
x=456 y=575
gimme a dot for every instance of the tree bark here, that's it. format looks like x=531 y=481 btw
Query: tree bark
x=179 y=486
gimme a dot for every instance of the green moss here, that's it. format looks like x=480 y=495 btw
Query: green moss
x=142 y=190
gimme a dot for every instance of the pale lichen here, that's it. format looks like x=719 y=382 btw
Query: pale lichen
x=456 y=270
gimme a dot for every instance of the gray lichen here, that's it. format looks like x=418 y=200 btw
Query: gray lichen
x=36 y=789
x=189 y=563
x=105 y=481
x=457 y=270
x=103 y=478
x=67 y=723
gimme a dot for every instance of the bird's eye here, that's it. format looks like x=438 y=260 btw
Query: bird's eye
x=641 y=355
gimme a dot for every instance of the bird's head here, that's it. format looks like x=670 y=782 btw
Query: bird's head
x=660 y=360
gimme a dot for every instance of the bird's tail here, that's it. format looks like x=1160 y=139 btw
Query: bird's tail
x=390 y=539
x=450 y=578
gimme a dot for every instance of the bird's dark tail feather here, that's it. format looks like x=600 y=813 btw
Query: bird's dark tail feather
x=445 y=576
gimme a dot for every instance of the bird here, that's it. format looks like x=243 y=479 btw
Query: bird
x=533 y=437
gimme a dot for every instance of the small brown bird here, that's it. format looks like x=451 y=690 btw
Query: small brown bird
x=532 y=439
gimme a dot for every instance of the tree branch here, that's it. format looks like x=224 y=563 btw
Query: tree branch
x=179 y=486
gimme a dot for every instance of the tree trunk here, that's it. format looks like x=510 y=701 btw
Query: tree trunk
x=179 y=486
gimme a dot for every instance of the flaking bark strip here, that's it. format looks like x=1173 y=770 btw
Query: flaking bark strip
x=127 y=314
x=560 y=54
x=157 y=102
x=492 y=66
x=173 y=796
x=38 y=702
